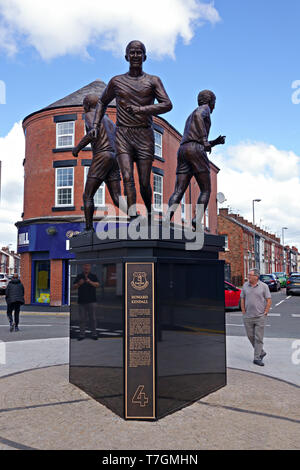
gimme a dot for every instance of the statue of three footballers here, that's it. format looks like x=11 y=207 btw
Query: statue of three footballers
x=132 y=140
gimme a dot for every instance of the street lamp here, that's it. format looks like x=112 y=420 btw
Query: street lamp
x=284 y=268
x=253 y=201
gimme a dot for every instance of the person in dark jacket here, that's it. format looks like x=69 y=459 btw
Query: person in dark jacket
x=14 y=298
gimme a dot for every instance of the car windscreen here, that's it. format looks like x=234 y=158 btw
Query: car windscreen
x=266 y=278
x=294 y=278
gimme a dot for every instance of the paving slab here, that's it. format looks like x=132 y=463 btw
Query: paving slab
x=40 y=409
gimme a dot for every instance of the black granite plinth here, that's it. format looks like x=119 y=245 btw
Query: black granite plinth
x=160 y=324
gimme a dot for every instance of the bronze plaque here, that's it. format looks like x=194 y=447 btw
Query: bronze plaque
x=139 y=341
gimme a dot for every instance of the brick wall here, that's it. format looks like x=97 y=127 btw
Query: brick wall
x=234 y=255
x=26 y=276
x=56 y=282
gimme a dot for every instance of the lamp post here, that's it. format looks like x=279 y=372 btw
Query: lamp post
x=283 y=229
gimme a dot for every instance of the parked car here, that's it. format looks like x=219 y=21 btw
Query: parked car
x=271 y=280
x=3 y=282
x=282 y=278
x=232 y=296
x=293 y=284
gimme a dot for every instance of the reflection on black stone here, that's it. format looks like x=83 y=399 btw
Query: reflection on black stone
x=190 y=333
x=96 y=314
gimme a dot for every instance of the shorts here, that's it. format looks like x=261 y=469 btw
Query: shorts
x=104 y=167
x=192 y=158
x=138 y=142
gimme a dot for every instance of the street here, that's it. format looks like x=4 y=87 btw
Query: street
x=283 y=322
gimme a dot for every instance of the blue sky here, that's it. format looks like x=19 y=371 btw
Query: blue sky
x=247 y=53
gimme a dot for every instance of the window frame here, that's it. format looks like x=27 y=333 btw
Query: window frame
x=64 y=187
x=65 y=135
x=155 y=175
x=160 y=146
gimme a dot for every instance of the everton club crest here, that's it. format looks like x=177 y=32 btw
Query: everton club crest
x=139 y=281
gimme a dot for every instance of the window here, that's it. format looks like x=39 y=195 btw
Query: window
x=206 y=218
x=65 y=134
x=99 y=198
x=64 y=186
x=158 y=144
x=158 y=192
x=226 y=242
x=183 y=208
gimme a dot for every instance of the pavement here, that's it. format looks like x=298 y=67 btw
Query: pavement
x=258 y=409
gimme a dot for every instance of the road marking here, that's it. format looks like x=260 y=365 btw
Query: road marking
x=22 y=325
x=233 y=324
x=274 y=314
x=296 y=315
x=279 y=303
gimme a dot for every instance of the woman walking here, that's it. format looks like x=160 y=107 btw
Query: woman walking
x=14 y=298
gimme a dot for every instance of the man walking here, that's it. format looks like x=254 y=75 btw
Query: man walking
x=14 y=298
x=256 y=303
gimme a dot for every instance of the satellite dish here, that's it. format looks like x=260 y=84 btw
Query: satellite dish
x=221 y=198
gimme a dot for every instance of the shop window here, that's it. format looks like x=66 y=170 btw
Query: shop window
x=158 y=144
x=42 y=282
x=158 y=192
x=99 y=198
x=64 y=186
x=65 y=134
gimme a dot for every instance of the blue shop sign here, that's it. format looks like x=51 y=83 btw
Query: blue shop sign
x=53 y=238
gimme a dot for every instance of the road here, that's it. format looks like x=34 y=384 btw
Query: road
x=44 y=340
x=283 y=320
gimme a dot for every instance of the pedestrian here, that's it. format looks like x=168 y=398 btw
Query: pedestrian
x=255 y=303
x=86 y=283
x=14 y=296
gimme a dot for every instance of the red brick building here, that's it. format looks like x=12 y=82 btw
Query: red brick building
x=246 y=247
x=53 y=187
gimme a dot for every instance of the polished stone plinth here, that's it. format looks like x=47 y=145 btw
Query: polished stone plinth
x=160 y=324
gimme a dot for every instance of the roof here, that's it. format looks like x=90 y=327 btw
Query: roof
x=75 y=98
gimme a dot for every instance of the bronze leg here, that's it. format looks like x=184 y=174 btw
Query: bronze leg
x=126 y=166
x=144 y=171
x=182 y=182
x=91 y=186
x=114 y=188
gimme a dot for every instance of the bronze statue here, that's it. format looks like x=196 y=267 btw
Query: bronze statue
x=135 y=93
x=192 y=159
x=104 y=165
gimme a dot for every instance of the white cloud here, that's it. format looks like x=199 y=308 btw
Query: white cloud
x=256 y=170
x=12 y=152
x=56 y=27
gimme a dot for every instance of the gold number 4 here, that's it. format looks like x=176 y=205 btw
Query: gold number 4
x=140 y=397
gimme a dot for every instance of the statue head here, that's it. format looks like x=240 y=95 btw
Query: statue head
x=135 y=53
x=207 y=97
x=90 y=101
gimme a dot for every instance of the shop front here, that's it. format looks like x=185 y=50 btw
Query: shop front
x=45 y=255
